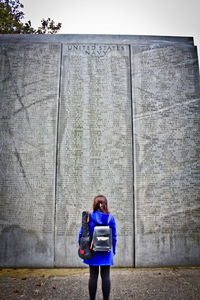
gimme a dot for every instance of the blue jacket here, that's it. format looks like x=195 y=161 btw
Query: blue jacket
x=102 y=258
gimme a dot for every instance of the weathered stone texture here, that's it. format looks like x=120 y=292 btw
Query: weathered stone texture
x=88 y=115
x=28 y=119
x=166 y=114
x=95 y=145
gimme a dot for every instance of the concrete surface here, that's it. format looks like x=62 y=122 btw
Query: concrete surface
x=166 y=122
x=28 y=123
x=82 y=115
x=127 y=284
x=96 y=138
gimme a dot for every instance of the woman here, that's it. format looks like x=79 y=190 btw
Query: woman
x=101 y=216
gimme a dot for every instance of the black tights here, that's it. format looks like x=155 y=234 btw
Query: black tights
x=105 y=277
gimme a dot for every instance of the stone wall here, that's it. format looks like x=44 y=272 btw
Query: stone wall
x=28 y=108
x=88 y=115
x=166 y=159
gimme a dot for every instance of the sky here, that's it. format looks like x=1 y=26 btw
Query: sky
x=134 y=17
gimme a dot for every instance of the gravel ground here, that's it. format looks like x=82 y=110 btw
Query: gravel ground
x=126 y=284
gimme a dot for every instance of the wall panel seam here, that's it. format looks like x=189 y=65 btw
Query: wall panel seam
x=57 y=149
x=132 y=137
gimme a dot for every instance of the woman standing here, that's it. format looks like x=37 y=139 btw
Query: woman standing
x=101 y=216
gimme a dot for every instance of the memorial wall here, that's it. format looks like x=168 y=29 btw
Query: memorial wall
x=82 y=115
x=166 y=118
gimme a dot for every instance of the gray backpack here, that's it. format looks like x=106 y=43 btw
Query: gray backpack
x=102 y=238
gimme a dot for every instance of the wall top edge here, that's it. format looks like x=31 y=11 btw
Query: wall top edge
x=94 y=38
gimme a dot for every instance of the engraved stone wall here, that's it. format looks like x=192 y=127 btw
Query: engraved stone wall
x=29 y=78
x=88 y=115
x=95 y=145
x=166 y=105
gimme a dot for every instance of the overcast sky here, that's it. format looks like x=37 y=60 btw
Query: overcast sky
x=140 y=17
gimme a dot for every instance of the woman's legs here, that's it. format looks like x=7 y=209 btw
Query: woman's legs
x=94 y=272
x=105 y=277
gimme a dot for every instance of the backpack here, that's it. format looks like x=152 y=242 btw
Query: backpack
x=102 y=238
x=84 y=250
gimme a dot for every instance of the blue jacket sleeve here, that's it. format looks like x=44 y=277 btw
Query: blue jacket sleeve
x=114 y=234
x=80 y=234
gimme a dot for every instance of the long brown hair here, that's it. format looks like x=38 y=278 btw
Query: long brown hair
x=100 y=204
